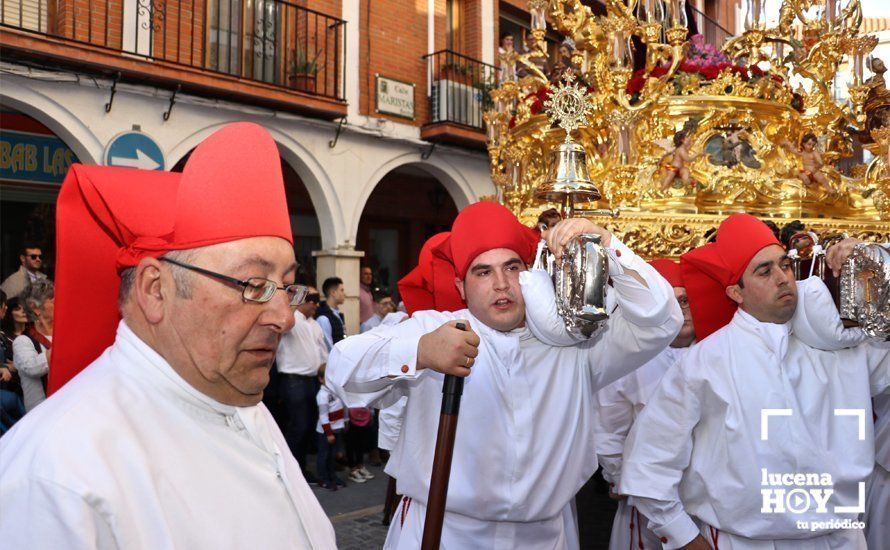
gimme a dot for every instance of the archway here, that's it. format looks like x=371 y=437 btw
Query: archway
x=406 y=207
x=33 y=163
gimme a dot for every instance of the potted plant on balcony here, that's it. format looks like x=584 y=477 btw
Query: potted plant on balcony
x=303 y=70
x=455 y=71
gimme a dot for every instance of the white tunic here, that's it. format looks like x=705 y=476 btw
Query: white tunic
x=524 y=442
x=618 y=405
x=129 y=455
x=877 y=506
x=302 y=350
x=699 y=440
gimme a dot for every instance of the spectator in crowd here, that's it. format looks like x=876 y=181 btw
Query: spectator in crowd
x=301 y=353
x=31 y=259
x=789 y=230
x=365 y=294
x=360 y=438
x=332 y=421
x=16 y=320
x=547 y=220
x=11 y=406
x=383 y=306
x=332 y=322
x=32 y=350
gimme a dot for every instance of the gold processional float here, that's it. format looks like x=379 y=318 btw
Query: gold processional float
x=694 y=134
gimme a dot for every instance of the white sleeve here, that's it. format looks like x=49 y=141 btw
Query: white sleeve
x=41 y=514
x=878 y=359
x=27 y=360
x=326 y=331
x=646 y=321
x=611 y=424
x=363 y=368
x=656 y=453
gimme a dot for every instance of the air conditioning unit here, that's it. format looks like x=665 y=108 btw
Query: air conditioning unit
x=455 y=102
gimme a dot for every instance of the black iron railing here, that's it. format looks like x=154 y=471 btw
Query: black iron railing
x=713 y=32
x=458 y=88
x=272 y=41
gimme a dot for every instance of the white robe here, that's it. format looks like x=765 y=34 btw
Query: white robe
x=697 y=451
x=524 y=443
x=129 y=455
x=877 y=505
x=618 y=405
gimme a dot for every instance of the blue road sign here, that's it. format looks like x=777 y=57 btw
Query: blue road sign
x=134 y=150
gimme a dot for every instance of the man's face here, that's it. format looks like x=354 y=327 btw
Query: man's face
x=337 y=296
x=367 y=276
x=308 y=308
x=769 y=293
x=491 y=289
x=384 y=307
x=32 y=259
x=224 y=346
x=687 y=332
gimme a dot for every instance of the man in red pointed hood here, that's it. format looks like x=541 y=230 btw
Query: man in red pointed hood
x=523 y=447
x=618 y=406
x=172 y=294
x=753 y=403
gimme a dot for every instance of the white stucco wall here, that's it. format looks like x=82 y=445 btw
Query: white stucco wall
x=339 y=180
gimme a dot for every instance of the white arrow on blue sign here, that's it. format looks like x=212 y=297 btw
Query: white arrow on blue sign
x=134 y=150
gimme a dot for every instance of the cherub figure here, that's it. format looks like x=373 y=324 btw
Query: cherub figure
x=811 y=171
x=674 y=165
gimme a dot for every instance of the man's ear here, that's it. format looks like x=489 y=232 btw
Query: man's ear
x=147 y=290
x=735 y=294
x=460 y=288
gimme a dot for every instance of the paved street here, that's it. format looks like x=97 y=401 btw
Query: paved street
x=356 y=512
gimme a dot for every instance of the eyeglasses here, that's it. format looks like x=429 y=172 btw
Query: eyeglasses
x=254 y=289
x=35 y=256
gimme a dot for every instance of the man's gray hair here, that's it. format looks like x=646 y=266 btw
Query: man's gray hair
x=37 y=293
x=181 y=276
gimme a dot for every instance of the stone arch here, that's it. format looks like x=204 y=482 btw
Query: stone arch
x=457 y=186
x=65 y=124
x=321 y=191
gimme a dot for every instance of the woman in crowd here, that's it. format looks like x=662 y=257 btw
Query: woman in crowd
x=31 y=350
x=11 y=406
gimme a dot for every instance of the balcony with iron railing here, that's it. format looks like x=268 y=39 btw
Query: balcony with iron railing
x=458 y=89
x=263 y=51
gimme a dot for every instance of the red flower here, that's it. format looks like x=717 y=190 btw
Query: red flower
x=635 y=84
x=739 y=70
x=689 y=67
x=710 y=72
x=658 y=71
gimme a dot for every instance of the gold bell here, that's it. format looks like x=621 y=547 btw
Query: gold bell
x=568 y=176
